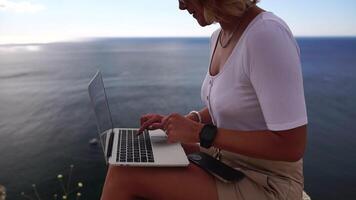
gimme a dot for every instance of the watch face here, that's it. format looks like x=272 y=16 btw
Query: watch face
x=207 y=135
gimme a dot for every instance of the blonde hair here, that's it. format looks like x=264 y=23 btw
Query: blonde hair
x=223 y=10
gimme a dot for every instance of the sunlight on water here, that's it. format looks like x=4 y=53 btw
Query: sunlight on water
x=30 y=48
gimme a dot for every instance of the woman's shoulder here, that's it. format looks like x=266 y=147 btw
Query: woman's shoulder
x=268 y=24
x=269 y=39
x=215 y=34
x=214 y=37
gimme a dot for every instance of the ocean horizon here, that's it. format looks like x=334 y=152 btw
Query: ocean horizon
x=46 y=121
x=89 y=39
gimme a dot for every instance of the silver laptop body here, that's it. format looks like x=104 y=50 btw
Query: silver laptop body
x=122 y=146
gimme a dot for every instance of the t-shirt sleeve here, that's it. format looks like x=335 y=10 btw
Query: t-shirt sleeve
x=275 y=73
x=213 y=39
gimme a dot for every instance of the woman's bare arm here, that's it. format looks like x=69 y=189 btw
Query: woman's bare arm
x=288 y=145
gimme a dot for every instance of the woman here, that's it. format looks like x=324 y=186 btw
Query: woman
x=253 y=92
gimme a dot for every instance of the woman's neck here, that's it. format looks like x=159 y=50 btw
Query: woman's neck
x=230 y=26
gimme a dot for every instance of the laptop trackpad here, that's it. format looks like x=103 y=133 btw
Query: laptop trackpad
x=167 y=154
x=158 y=136
x=159 y=139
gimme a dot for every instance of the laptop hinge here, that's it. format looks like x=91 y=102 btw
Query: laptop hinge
x=111 y=142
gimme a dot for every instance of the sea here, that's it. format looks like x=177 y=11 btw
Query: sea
x=46 y=119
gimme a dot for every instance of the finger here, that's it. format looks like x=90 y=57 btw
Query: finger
x=146 y=117
x=143 y=127
x=170 y=127
x=164 y=122
x=143 y=119
x=170 y=138
x=168 y=132
x=155 y=126
x=146 y=124
x=152 y=120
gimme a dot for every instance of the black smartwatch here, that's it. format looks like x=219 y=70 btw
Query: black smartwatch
x=207 y=135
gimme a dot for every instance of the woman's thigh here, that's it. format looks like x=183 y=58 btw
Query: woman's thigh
x=159 y=183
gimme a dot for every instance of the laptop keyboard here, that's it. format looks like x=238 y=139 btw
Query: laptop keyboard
x=133 y=148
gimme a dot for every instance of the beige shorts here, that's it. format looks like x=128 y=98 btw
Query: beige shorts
x=257 y=185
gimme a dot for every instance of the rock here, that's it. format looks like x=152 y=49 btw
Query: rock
x=93 y=141
x=306 y=196
x=2 y=192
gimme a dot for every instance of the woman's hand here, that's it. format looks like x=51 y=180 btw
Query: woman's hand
x=181 y=129
x=151 y=122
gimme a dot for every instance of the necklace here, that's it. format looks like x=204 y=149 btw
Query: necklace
x=234 y=31
x=230 y=38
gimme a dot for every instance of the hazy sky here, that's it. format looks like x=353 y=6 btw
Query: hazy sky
x=51 y=20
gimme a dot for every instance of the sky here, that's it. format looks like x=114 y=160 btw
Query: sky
x=33 y=21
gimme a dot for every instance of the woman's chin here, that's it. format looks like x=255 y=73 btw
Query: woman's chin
x=202 y=23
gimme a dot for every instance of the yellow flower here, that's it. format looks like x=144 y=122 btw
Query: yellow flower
x=79 y=194
x=59 y=176
x=80 y=184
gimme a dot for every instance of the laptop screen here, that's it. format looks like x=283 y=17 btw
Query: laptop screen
x=101 y=107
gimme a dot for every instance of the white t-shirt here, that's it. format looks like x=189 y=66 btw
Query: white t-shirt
x=260 y=87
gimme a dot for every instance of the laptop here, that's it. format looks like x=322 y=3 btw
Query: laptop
x=122 y=146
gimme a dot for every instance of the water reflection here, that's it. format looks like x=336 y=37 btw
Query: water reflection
x=20 y=48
